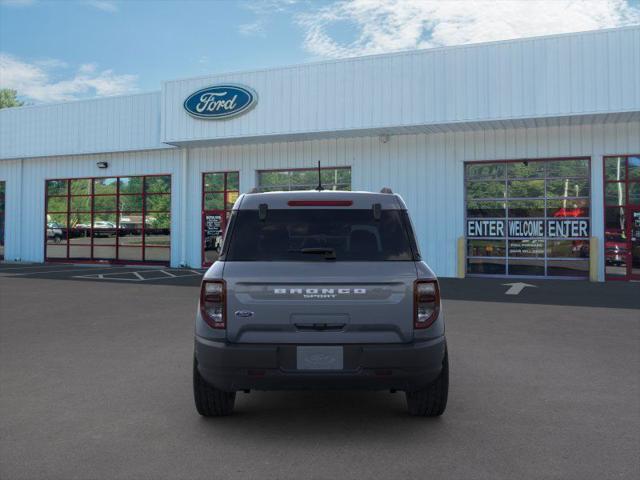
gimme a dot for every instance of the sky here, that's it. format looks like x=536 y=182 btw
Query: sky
x=59 y=50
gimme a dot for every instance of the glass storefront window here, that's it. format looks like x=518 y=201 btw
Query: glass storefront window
x=528 y=218
x=220 y=190
x=622 y=217
x=109 y=219
x=338 y=178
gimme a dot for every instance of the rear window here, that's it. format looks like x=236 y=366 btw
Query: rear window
x=319 y=235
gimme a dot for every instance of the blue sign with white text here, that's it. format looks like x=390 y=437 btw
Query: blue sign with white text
x=220 y=101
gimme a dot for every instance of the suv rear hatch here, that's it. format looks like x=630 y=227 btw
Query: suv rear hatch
x=319 y=276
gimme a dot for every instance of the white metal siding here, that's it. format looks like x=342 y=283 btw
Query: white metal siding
x=11 y=174
x=547 y=77
x=91 y=126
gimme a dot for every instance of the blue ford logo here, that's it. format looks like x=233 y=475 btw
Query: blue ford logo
x=220 y=101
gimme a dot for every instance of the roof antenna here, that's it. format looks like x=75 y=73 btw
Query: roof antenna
x=320 y=187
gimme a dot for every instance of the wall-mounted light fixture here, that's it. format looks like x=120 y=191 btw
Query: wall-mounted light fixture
x=102 y=164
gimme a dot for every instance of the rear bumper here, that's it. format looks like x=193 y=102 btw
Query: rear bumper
x=232 y=367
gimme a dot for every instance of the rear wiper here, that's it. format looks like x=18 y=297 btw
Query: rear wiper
x=329 y=253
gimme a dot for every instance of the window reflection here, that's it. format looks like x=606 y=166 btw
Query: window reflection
x=489 y=266
x=486 y=248
x=56 y=187
x=633 y=168
x=614 y=193
x=526 y=267
x=568 y=188
x=526 y=188
x=567 y=268
x=615 y=168
x=568 y=208
x=304 y=179
x=105 y=185
x=526 y=208
x=526 y=169
x=485 y=171
x=488 y=189
x=84 y=213
x=568 y=168
x=568 y=248
x=477 y=209
x=57 y=204
x=80 y=204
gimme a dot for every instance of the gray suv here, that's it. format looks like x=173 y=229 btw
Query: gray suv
x=320 y=290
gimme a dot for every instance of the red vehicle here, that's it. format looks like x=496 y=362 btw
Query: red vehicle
x=615 y=248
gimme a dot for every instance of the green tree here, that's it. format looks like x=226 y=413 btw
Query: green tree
x=8 y=98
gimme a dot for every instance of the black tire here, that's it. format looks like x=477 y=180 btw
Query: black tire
x=211 y=402
x=432 y=400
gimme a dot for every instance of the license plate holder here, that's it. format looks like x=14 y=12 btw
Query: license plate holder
x=312 y=357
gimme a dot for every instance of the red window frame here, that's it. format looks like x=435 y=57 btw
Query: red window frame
x=117 y=212
x=224 y=212
x=628 y=209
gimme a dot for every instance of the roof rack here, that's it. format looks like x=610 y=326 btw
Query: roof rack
x=386 y=190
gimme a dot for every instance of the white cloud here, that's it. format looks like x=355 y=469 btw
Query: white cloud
x=269 y=6
x=388 y=25
x=252 y=29
x=104 y=5
x=36 y=81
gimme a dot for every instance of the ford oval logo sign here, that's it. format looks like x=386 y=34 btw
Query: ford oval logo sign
x=220 y=101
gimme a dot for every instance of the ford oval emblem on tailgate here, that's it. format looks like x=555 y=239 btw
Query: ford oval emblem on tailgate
x=244 y=314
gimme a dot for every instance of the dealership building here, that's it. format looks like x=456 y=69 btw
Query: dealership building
x=517 y=158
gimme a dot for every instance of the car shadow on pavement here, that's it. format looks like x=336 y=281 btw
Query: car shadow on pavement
x=321 y=416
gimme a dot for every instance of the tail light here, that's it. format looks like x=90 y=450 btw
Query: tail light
x=426 y=295
x=213 y=303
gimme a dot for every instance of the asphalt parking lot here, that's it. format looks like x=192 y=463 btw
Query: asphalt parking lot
x=95 y=376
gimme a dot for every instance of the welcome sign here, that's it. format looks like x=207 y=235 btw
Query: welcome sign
x=219 y=102
x=528 y=228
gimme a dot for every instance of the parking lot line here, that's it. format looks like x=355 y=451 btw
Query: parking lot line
x=39 y=272
x=140 y=275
